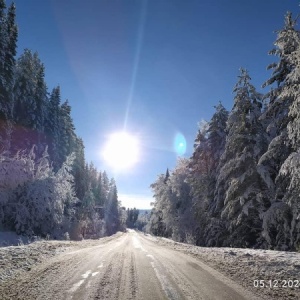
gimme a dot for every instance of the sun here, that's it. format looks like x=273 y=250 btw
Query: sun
x=121 y=151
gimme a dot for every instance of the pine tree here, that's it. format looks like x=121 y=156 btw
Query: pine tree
x=53 y=127
x=209 y=146
x=276 y=114
x=27 y=69
x=111 y=209
x=157 y=224
x=180 y=215
x=78 y=170
x=239 y=188
x=3 y=41
x=8 y=40
x=281 y=100
x=10 y=50
x=66 y=132
x=290 y=169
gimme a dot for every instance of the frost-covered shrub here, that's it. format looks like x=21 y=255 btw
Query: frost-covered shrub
x=14 y=173
x=66 y=236
x=36 y=199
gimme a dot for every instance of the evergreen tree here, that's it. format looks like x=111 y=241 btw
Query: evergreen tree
x=204 y=166
x=111 y=209
x=8 y=40
x=10 y=50
x=288 y=210
x=53 y=127
x=3 y=40
x=132 y=216
x=41 y=99
x=67 y=136
x=78 y=169
x=281 y=101
x=239 y=188
x=157 y=224
x=276 y=114
x=180 y=215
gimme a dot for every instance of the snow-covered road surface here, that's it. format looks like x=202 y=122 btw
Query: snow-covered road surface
x=127 y=266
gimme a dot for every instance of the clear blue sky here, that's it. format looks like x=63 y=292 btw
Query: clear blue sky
x=158 y=65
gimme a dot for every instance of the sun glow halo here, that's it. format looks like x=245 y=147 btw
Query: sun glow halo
x=121 y=151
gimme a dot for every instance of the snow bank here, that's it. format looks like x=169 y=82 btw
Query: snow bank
x=248 y=266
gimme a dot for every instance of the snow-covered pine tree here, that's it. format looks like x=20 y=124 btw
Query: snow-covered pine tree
x=239 y=188
x=216 y=136
x=276 y=114
x=180 y=216
x=208 y=150
x=290 y=170
x=280 y=100
x=198 y=178
x=157 y=224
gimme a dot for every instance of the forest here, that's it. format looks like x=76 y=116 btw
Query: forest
x=241 y=186
x=47 y=188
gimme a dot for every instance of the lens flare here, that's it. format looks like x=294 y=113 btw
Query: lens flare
x=180 y=144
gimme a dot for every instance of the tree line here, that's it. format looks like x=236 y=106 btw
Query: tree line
x=46 y=186
x=241 y=186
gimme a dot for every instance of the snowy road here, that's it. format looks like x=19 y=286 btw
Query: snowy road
x=130 y=266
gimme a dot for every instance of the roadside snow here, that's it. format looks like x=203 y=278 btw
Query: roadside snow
x=17 y=259
x=245 y=266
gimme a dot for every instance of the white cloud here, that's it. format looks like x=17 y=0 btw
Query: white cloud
x=135 y=200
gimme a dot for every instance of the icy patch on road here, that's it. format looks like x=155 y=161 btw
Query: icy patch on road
x=165 y=283
x=86 y=274
x=76 y=286
x=137 y=244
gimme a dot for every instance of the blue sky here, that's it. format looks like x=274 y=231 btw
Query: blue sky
x=157 y=67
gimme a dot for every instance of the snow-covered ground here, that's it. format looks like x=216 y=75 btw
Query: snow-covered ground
x=244 y=266
x=17 y=259
x=277 y=271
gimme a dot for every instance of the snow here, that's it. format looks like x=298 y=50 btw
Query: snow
x=243 y=266
x=22 y=258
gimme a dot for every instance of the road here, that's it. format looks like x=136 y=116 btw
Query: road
x=131 y=266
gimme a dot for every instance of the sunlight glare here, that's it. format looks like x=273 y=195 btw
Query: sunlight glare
x=121 y=151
